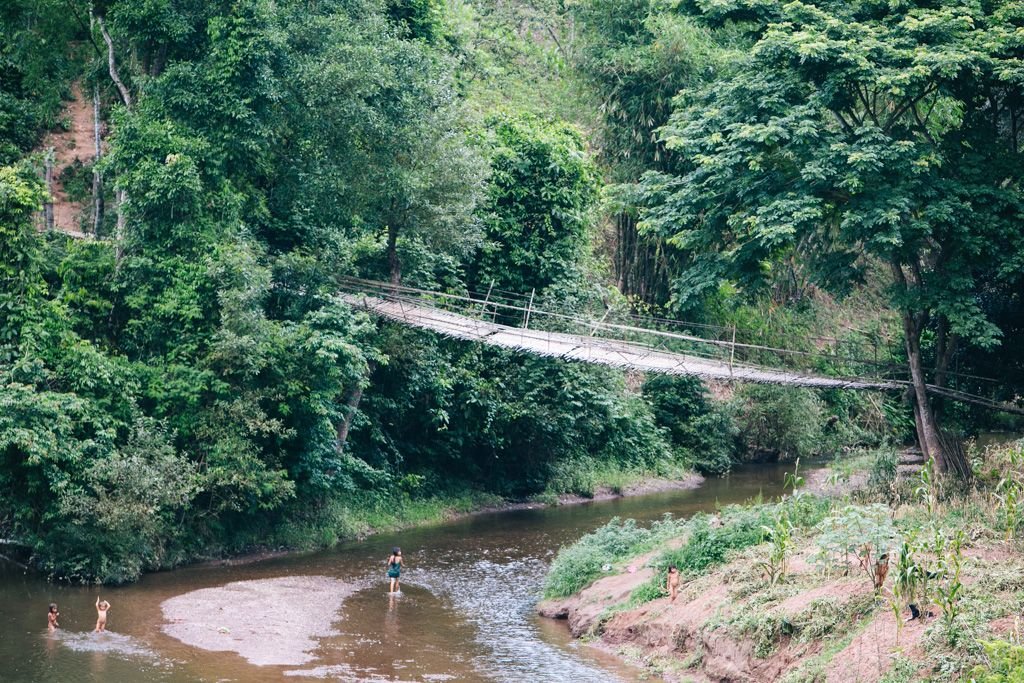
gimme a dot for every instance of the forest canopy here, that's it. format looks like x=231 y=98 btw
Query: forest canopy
x=185 y=381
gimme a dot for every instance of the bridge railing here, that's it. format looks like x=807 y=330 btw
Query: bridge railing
x=505 y=311
x=712 y=342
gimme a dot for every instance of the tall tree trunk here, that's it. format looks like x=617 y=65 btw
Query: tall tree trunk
x=122 y=198
x=394 y=264
x=924 y=417
x=126 y=97
x=913 y=325
x=97 y=178
x=351 y=406
x=48 y=177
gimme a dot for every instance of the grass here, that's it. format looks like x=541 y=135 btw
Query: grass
x=579 y=564
x=365 y=515
x=725 y=550
x=589 y=476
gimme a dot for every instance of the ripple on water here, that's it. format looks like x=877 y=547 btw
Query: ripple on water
x=106 y=642
x=343 y=673
x=498 y=596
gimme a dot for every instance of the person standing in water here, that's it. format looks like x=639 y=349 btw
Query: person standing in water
x=395 y=569
x=101 y=614
x=51 y=618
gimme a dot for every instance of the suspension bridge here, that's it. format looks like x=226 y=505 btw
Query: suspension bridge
x=638 y=343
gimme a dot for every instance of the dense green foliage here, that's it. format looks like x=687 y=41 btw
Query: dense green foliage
x=1006 y=664
x=703 y=431
x=847 y=133
x=190 y=383
x=580 y=563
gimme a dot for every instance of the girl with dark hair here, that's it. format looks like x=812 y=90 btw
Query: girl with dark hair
x=51 y=618
x=395 y=569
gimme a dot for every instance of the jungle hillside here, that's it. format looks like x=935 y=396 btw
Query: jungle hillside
x=186 y=186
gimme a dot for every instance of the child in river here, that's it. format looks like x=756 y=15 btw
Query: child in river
x=101 y=614
x=51 y=618
x=673 y=582
x=395 y=569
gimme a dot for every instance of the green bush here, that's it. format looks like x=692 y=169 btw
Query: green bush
x=704 y=432
x=882 y=478
x=708 y=546
x=781 y=420
x=1005 y=664
x=579 y=564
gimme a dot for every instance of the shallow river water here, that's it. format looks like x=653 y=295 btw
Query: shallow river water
x=466 y=612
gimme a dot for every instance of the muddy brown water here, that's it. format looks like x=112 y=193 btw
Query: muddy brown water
x=465 y=613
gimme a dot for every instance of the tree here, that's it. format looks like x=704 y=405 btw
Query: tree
x=859 y=131
x=536 y=215
x=637 y=54
x=21 y=283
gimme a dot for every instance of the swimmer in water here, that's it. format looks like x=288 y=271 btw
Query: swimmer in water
x=51 y=618
x=101 y=614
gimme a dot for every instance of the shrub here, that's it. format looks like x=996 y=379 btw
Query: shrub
x=1005 y=663
x=704 y=432
x=781 y=420
x=579 y=564
x=708 y=546
x=882 y=479
x=863 y=531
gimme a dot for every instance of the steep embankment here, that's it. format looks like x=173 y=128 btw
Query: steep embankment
x=73 y=144
x=823 y=620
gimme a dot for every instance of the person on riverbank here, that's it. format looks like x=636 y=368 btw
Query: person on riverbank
x=101 y=614
x=395 y=569
x=672 y=583
x=51 y=618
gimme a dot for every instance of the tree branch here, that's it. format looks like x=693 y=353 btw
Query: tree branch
x=125 y=95
x=867 y=106
x=845 y=124
x=909 y=103
x=924 y=128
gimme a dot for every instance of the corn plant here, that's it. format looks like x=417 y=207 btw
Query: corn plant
x=1007 y=498
x=793 y=480
x=949 y=591
x=908 y=580
x=780 y=537
x=926 y=489
x=1009 y=493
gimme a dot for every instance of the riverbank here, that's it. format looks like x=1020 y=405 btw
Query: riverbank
x=787 y=592
x=358 y=523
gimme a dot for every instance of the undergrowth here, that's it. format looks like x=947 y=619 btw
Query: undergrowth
x=579 y=564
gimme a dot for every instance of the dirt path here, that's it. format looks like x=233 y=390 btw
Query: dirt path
x=70 y=145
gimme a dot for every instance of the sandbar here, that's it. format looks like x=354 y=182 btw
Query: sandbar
x=269 y=622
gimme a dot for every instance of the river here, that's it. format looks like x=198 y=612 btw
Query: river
x=465 y=613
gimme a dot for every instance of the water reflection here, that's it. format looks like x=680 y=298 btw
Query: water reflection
x=465 y=612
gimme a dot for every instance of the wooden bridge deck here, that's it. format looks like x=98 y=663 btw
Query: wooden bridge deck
x=587 y=349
